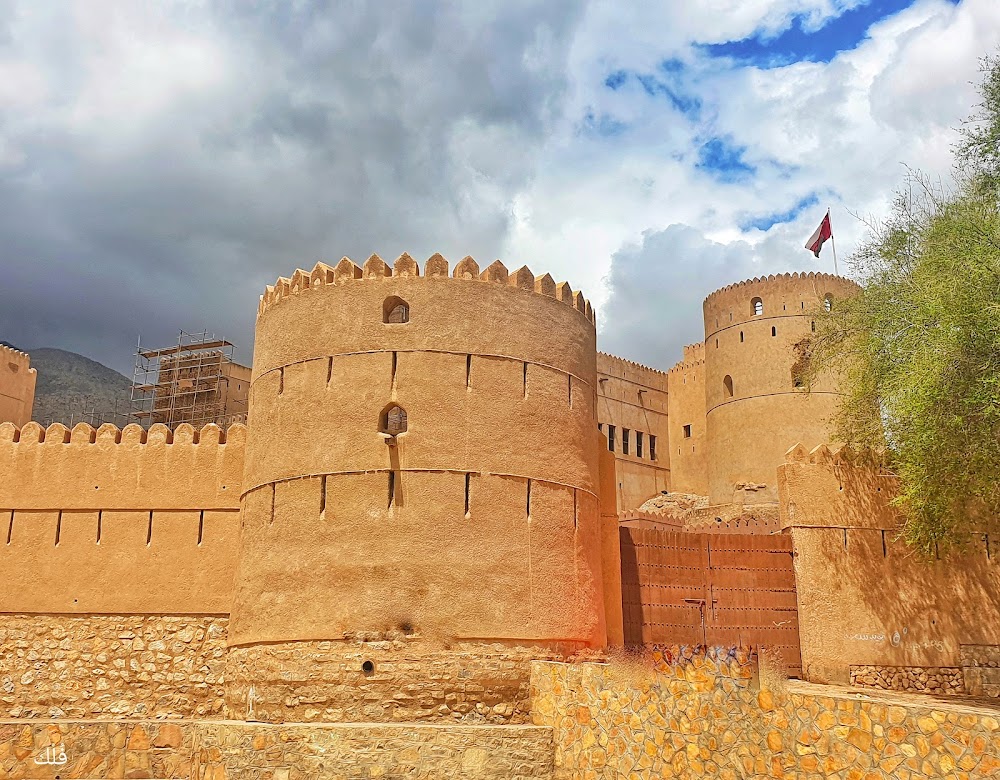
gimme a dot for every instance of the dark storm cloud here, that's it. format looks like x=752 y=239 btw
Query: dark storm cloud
x=657 y=288
x=155 y=173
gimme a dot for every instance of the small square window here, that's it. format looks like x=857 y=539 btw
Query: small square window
x=687 y=431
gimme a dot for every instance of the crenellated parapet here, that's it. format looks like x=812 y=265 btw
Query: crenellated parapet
x=757 y=282
x=60 y=468
x=836 y=486
x=435 y=267
x=694 y=355
x=15 y=356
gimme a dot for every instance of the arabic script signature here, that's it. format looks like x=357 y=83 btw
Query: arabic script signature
x=49 y=756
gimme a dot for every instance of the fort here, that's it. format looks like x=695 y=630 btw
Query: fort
x=427 y=549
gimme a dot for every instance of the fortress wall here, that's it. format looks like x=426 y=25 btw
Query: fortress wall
x=686 y=407
x=749 y=431
x=111 y=666
x=17 y=386
x=633 y=397
x=119 y=522
x=869 y=606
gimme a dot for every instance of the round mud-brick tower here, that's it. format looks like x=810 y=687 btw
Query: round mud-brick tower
x=420 y=512
x=758 y=405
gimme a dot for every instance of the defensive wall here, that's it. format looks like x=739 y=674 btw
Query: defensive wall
x=757 y=404
x=84 y=511
x=632 y=410
x=17 y=386
x=872 y=612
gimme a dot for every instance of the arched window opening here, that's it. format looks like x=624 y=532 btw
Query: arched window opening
x=727 y=385
x=828 y=302
x=758 y=306
x=395 y=310
x=393 y=420
x=774 y=331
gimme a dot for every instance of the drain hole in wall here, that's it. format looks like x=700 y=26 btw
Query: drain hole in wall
x=368 y=667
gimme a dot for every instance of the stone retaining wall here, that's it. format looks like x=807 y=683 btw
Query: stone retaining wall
x=225 y=750
x=685 y=714
x=93 y=666
x=915 y=679
x=408 y=680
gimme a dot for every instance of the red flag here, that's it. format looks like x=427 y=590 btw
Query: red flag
x=823 y=232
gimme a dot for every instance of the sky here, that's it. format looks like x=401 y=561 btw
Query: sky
x=160 y=163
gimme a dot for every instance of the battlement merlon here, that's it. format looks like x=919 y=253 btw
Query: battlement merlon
x=436 y=266
x=630 y=371
x=15 y=356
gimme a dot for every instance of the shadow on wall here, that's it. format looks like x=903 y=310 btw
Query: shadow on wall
x=865 y=598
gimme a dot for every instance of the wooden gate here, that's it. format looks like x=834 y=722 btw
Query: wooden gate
x=706 y=589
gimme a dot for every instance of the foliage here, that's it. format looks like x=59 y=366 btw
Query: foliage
x=919 y=354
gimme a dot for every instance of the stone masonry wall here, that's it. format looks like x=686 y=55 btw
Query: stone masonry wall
x=685 y=714
x=224 y=750
x=915 y=679
x=100 y=666
x=409 y=680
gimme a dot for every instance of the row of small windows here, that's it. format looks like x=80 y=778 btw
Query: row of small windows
x=641 y=441
x=757 y=307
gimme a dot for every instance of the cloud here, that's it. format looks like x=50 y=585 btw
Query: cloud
x=165 y=162
x=159 y=164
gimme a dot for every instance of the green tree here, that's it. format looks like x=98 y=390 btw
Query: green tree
x=919 y=349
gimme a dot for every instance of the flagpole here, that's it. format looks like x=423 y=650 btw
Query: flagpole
x=833 y=243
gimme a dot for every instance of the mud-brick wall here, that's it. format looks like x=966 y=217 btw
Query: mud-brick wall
x=703 y=715
x=103 y=666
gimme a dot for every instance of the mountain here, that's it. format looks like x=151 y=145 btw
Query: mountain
x=72 y=388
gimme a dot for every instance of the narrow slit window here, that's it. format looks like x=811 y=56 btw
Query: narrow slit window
x=59 y=528
x=281 y=380
x=393 y=420
x=468 y=490
x=524 y=381
x=813 y=326
x=625 y=438
x=329 y=369
x=100 y=524
x=392 y=488
x=527 y=500
x=468 y=370
x=10 y=527
x=149 y=529
x=569 y=390
x=322 y=495
x=611 y=438
x=774 y=331
x=652 y=447
x=638 y=443
x=201 y=527
x=394 y=364
x=741 y=337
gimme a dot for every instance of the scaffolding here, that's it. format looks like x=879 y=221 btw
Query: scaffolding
x=194 y=381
